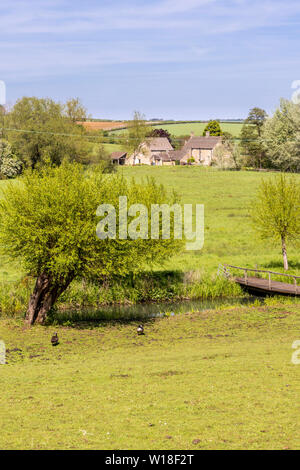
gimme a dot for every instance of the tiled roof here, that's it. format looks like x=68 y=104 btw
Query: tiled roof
x=116 y=155
x=159 y=143
x=208 y=142
x=171 y=156
x=176 y=155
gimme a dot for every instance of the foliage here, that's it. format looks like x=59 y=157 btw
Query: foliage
x=157 y=132
x=251 y=144
x=229 y=233
x=49 y=223
x=257 y=118
x=214 y=128
x=10 y=166
x=136 y=134
x=75 y=111
x=147 y=286
x=43 y=134
x=5 y=150
x=276 y=211
x=101 y=157
x=227 y=155
x=281 y=137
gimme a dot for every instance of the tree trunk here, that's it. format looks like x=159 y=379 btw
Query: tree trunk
x=44 y=296
x=284 y=254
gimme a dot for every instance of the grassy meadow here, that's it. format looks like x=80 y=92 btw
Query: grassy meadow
x=198 y=127
x=179 y=129
x=229 y=234
x=110 y=148
x=229 y=238
x=219 y=379
x=216 y=380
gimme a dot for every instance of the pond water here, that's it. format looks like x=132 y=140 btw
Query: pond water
x=149 y=310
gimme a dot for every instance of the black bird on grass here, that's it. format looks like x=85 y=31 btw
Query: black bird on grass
x=54 y=340
x=140 y=330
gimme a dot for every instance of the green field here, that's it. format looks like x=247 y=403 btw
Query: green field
x=112 y=148
x=197 y=127
x=229 y=234
x=217 y=380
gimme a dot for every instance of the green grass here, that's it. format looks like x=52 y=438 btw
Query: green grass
x=196 y=127
x=221 y=379
x=229 y=234
x=229 y=238
x=110 y=148
x=217 y=380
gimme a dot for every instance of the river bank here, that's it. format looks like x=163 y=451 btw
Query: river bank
x=148 y=287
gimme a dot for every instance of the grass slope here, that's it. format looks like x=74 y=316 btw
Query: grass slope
x=229 y=235
x=216 y=380
x=198 y=128
x=110 y=148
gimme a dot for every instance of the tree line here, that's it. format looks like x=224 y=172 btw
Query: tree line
x=38 y=132
x=265 y=142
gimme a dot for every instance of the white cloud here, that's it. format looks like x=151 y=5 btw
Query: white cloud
x=55 y=58
x=53 y=37
x=209 y=16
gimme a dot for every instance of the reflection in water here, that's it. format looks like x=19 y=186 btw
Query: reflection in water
x=149 y=310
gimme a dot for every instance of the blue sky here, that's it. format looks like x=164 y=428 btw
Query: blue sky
x=172 y=59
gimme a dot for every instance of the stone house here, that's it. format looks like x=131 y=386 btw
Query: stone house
x=158 y=151
x=201 y=149
x=196 y=150
x=151 y=152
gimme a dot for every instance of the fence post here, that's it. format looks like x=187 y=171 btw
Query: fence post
x=246 y=277
x=270 y=282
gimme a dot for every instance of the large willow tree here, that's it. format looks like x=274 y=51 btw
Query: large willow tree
x=48 y=222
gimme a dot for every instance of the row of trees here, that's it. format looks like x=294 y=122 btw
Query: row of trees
x=273 y=142
x=265 y=142
x=38 y=132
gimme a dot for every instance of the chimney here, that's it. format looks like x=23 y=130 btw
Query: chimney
x=207 y=134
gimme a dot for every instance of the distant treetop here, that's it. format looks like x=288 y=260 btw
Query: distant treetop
x=214 y=128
